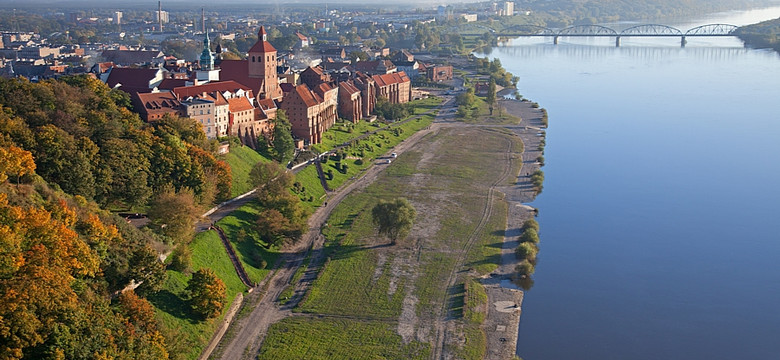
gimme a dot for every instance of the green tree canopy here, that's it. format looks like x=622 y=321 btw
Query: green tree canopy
x=284 y=147
x=394 y=219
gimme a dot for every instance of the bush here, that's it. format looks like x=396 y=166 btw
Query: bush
x=529 y=235
x=344 y=168
x=525 y=268
x=531 y=224
x=359 y=162
x=181 y=258
x=540 y=160
x=527 y=250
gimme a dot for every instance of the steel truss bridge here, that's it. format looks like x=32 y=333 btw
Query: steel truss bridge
x=646 y=30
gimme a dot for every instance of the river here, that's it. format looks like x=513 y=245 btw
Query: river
x=660 y=235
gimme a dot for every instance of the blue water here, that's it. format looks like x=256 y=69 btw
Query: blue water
x=660 y=228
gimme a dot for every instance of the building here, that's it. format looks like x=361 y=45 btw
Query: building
x=303 y=41
x=242 y=121
x=507 y=9
x=134 y=80
x=201 y=110
x=396 y=87
x=221 y=94
x=469 y=17
x=258 y=71
x=161 y=16
x=153 y=106
x=439 y=73
x=133 y=57
x=375 y=67
x=350 y=101
x=207 y=71
x=118 y=17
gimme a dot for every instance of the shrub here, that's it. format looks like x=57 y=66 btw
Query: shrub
x=531 y=224
x=525 y=268
x=527 y=250
x=359 y=162
x=181 y=258
x=529 y=235
x=344 y=168
x=540 y=160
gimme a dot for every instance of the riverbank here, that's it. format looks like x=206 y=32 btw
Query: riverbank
x=504 y=296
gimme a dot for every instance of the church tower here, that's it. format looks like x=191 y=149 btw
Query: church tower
x=207 y=72
x=262 y=66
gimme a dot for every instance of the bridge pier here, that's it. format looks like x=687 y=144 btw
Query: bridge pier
x=555 y=40
x=617 y=41
x=683 y=41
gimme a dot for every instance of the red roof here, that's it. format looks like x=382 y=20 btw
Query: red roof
x=306 y=95
x=266 y=104
x=170 y=84
x=238 y=71
x=220 y=86
x=348 y=87
x=388 y=79
x=301 y=37
x=239 y=104
x=262 y=46
x=131 y=79
x=158 y=103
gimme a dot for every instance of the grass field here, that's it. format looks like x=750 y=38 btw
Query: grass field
x=241 y=160
x=311 y=182
x=328 y=339
x=351 y=284
x=172 y=308
x=239 y=229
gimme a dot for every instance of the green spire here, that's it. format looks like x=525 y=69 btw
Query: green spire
x=206 y=58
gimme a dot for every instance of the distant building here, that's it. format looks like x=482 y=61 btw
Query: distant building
x=469 y=17
x=118 y=17
x=439 y=73
x=507 y=9
x=161 y=16
x=207 y=71
x=134 y=57
x=303 y=41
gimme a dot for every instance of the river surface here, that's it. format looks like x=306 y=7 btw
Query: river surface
x=660 y=216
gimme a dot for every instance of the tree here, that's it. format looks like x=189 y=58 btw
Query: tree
x=207 y=293
x=14 y=160
x=173 y=214
x=491 y=95
x=394 y=219
x=272 y=225
x=284 y=147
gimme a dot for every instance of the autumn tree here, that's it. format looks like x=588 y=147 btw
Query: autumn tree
x=173 y=214
x=394 y=219
x=207 y=293
x=273 y=226
x=15 y=161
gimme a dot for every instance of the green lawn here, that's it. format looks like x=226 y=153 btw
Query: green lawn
x=347 y=285
x=172 y=308
x=239 y=229
x=328 y=339
x=310 y=181
x=241 y=160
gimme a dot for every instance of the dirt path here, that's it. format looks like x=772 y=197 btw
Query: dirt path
x=251 y=330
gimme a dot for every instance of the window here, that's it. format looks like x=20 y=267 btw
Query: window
x=253 y=58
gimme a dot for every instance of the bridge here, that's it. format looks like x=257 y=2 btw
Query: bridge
x=645 y=30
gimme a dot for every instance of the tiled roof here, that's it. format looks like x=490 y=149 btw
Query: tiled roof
x=301 y=37
x=130 y=57
x=170 y=84
x=262 y=46
x=221 y=86
x=238 y=71
x=308 y=97
x=266 y=104
x=348 y=87
x=239 y=104
x=131 y=79
x=156 y=103
x=388 y=79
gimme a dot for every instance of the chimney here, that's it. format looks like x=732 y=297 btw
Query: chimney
x=159 y=14
x=203 y=20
